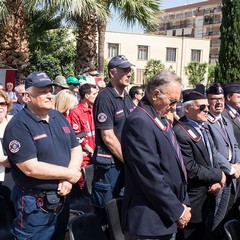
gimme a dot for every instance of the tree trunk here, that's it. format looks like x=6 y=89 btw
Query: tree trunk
x=101 y=42
x=14 y=44
x=86 y=45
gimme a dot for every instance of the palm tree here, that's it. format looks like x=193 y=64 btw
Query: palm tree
x=13 y=37
x=130 y=11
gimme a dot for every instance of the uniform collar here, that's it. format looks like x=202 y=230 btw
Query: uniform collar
x=147 y=106
x=85 y=109
x=51 y=115
x=113 y=91
x=196 y=125
x=212 y=118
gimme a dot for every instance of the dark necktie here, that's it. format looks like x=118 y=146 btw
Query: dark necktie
x=207 y=144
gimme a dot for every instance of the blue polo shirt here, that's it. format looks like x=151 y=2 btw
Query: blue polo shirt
x=27 y=137
x=110 y=112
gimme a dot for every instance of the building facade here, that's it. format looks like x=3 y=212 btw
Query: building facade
x=174 y=53
x=198 y=20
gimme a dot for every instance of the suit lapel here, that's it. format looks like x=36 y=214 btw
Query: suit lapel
x=232 y=116
x=146 y=106
x=216 y=126
x=196 y=137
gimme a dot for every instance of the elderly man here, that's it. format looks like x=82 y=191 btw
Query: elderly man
x=45 y=159
x=111 y=107
x=21 y=99
x=221 y=131
x=155 y=200
x=205 y=178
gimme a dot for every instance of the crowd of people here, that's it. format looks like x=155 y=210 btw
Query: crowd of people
x=172 y=155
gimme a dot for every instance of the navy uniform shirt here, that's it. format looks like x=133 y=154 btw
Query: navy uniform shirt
x=17 y=107
x=27 y=137
x=110 y=111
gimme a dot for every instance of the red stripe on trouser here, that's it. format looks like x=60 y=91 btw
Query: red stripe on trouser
x=22 y=212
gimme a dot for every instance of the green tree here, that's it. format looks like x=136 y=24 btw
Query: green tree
x=14 y=45
x=211 y=74
x=227 y=69
x=153 y=67
x=195 y=72
x=55 y=55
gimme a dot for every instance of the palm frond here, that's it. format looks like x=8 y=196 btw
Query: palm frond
x=142 y=11
x=4 y=13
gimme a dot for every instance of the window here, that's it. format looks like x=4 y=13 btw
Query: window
x=142 y=52
x=140 y=79
x=171 y=55
x=113 y=50
x=196 y=55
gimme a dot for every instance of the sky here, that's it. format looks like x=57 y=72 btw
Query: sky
x=115 y=25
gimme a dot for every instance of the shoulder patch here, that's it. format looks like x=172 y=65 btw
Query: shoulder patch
x=192 y=134
x=75 y=126
x=14 y=146
x=102 y=117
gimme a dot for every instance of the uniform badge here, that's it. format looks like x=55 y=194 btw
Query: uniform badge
x=102 y=117
x=75 y=126
x=66 y=130
x=14 y=146
x=192 y=134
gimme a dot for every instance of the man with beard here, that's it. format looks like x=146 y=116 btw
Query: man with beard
x=221 y=131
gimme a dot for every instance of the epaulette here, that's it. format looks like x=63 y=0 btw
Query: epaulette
x=231 y=114
x=212 y=119
x=160 y=124
x=190 y=133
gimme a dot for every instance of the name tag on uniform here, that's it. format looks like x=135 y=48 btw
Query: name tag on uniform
x=119 y=114
x=40 y=136
x=66 y=130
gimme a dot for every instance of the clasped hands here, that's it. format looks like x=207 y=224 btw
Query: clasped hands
x=236 y=168
x=185 y=218
x=216 y=187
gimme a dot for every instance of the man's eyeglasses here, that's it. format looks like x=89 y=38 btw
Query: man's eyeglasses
x=3 y=104
x=172 y=102
x=214 y=100
x=202 y=107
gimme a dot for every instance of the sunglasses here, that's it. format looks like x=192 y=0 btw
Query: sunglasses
x=3 y=104
x=203 y=107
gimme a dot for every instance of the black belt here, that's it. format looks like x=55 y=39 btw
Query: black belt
x=47 y=201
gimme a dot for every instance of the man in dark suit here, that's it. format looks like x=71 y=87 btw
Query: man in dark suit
x=155 y=201
x=205 y=178
x=221 y=131
x=232 y=106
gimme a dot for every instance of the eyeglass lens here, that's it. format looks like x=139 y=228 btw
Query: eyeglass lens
x=3 y=104
x=203 y=107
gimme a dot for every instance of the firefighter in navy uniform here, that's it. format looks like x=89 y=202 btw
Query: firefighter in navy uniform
x=45 y=159
x=111 y=107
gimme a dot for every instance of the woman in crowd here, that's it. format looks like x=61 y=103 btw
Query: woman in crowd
x=65 y=100
x=5 y=106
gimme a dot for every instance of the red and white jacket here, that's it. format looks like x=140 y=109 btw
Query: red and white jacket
x=81 y=119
